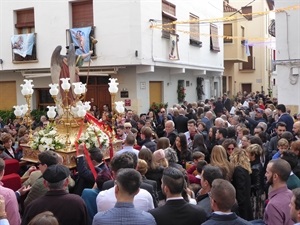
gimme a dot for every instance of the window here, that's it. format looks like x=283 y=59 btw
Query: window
x=82 y=16
x=25 y=25
x=44 y=98
x=214 y=38
x=243 y=35
x=168 y=16
x=250 y=65
x=227 y=32
x=194 y=30
x=247 y=10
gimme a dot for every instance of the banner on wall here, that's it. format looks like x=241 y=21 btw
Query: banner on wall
x=22 y=44
x=81 y=38
x=174 y=55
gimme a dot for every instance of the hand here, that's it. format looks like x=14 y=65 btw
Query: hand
x=81 y=149
x=31 y=169
x=2 y=207
x=23 y=190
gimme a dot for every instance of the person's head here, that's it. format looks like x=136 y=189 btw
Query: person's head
x=7 y=140
x=44 y=218
x=277 y=172
x=280 y=128
x=181 y=142
x=259 y=113
x=291 y=158
x=209 y=173
x=254 y=151
x=121 y=161
x=142 y=167
x=198 y=140
x=147 y=155
x=245 y=141
x=171 y=155
x=163 y=143
x=128 y=182
x=282 y=145
x=239 y=157
x=46 y=159
x=258 y=130
x=281 y=108
x=295 y=205
x=219 y=122
x=198 y=156
x=146 y=132
x=192 y=126
x=229 y=144
x=295 y=147
x=296 y=128
x=130 y=140
x=222 y=195
x=200 y=165
x=96 y=155
x=120 y=130
x=169 y=126
x=172 y=182
x=55 y=177
x=218 y=154
x=127 y=126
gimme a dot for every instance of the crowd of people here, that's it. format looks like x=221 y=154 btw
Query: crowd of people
x=220 y=161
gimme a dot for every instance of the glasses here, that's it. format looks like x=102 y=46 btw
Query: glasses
x=127 y=127
x=230 y=148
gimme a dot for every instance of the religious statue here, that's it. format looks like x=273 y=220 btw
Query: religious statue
x=66 y=66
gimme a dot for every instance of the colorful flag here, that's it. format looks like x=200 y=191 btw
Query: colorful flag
x=81 y=38
x=22 y=44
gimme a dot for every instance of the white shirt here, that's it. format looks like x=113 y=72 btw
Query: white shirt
x=106 y=200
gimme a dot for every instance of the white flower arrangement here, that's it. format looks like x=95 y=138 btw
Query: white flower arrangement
x=94 y=137
x=47 y=139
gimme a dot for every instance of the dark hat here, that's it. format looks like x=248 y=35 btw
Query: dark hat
x=259 y=110
x=56 y=173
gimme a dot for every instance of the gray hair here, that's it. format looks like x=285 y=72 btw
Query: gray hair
x=171 y=155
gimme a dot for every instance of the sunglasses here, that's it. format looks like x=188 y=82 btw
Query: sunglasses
x=127 y=127
x=230 y=148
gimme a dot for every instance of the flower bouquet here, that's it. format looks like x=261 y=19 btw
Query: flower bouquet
x=47 y=139
x=94 y=137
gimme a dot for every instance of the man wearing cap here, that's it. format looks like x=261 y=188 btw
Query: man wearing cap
x=67 y=208
x=46 y=158
x=258 y=117
x=127 y=186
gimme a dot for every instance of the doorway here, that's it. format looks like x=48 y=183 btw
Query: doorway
x=155 y=92
x=247 y=88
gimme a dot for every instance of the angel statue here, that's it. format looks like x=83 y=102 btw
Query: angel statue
x=66 y=66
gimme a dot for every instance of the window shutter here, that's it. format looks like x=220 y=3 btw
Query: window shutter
x=25 y=18
x=250 y=64
x=194 y=28
x=246 y=10
x=82 y=14
x=227 y=32
x=169 y=8
x=214 y=38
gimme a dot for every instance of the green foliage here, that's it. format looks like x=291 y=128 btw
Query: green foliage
x=157 y=106
x=7 y=114
x=180 y=93
x=36 y=114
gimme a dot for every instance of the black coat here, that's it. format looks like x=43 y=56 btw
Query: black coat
x=181 y=123
x=242 y=182
x=178 y=212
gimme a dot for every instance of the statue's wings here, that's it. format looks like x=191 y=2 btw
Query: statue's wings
x=72 y=63
x=56 y=62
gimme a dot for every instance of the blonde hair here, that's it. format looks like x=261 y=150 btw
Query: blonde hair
x=255 y=149
x=142 y=166
x=219 y=158
x=283 y=142
x=239 y=158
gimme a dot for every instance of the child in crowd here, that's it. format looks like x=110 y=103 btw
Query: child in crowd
x=193 y=173
x=282 y=145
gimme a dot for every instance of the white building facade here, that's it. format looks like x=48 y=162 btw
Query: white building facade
x=131 y=47
x=288 y=53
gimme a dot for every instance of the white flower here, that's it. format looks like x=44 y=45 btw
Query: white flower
x=42 y=148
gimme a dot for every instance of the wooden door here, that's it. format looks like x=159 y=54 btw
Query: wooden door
x=247 y=88
x=98 y=95
x=8 y=96
x=155 y=91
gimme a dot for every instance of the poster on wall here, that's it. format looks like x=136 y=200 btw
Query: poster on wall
x=22 y=44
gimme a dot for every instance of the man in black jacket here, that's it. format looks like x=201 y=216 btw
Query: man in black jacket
x=176 y=211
